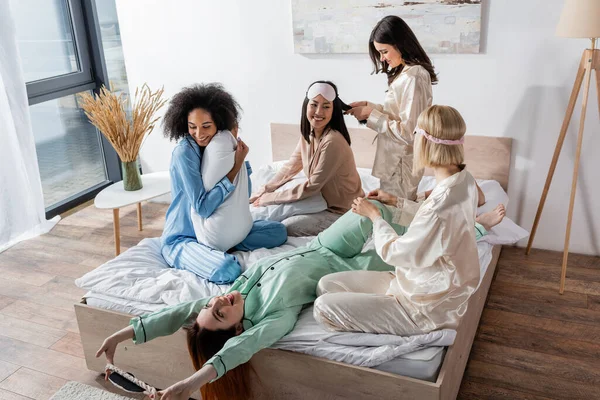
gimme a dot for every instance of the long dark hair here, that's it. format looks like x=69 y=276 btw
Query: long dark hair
x=392 y=30
x=337 y=118
x=203 y=344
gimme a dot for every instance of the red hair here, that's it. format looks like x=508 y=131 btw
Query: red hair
x=203 y=344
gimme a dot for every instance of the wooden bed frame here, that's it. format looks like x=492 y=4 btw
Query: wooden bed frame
x=287 y=375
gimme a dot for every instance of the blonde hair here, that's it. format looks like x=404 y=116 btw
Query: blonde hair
x=442 y=122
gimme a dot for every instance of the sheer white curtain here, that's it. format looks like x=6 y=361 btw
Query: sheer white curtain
x=22 y=214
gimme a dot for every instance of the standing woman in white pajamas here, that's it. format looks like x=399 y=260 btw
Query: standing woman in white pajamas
x=395 y=50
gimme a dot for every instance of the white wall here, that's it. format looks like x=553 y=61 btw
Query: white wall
x=517 y=87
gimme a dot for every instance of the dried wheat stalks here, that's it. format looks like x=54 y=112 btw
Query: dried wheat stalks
x=106 y=111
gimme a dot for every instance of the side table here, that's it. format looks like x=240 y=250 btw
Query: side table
x=115 y=197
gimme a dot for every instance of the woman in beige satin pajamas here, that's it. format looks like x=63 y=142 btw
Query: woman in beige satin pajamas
x=436 y=261
x=395 y=50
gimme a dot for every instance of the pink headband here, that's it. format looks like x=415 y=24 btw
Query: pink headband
x=439 y=141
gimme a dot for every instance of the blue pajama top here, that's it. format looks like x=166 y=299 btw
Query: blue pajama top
x=187 y=191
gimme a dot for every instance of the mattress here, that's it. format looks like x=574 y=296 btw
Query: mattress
x=419 y=364
x=423 y=364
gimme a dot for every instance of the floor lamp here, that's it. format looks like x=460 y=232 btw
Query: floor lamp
x=579 y=19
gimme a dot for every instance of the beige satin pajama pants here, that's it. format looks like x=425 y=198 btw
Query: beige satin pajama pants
x=355 y=301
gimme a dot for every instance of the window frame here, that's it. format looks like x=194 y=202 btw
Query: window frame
x=91 y=77
x=63 y=85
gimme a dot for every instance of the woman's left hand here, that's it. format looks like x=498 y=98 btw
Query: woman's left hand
x=364 y=207
x=361 y=113
x=179 y=391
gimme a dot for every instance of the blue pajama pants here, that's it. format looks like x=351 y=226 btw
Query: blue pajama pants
x=217 y=266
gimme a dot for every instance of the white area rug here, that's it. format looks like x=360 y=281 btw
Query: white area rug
x=80 y=391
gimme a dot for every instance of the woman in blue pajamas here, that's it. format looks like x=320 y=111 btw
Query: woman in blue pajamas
x=194 y=116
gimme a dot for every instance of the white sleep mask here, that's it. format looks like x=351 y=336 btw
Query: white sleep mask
x=323 y=89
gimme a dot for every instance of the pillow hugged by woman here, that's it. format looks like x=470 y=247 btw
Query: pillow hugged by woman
x=324 y=154
x=196 y=116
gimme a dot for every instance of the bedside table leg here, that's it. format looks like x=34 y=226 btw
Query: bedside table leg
x=117 y=231
x=139 y=213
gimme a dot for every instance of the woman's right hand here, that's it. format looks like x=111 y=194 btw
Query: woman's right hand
x=383 y=197
x=109 y=346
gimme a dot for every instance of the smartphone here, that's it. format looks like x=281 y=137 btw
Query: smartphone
x=124 y=383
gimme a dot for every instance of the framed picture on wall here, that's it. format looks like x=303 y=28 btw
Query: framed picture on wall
x=344 y=26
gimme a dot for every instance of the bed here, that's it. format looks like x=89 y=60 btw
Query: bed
x=140 y=282
x=293 y=375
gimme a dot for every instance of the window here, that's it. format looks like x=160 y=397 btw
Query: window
x=52 y=40
x=69 y=150
x=67 y=48
x=48 y=50
x=111 y=43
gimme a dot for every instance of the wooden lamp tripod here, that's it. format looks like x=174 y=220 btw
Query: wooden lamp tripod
x=579 y=18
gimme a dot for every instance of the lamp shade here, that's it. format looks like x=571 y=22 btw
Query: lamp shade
x=580 y=19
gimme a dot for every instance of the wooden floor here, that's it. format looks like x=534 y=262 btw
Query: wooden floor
x=532 y=342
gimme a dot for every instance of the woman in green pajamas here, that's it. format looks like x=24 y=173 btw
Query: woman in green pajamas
x=262 y=306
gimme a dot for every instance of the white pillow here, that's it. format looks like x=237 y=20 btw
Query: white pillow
x=494 y=195
x=218 y=158
x=279 y=212
x=311 y=205
x=506 y=232
x=217 y=161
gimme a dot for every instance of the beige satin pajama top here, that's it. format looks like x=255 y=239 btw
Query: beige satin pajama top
x=436 y=260
x=395 y=121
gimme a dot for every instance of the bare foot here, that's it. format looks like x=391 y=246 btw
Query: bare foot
x=492 y=218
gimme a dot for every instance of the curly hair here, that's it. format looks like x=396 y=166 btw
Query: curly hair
x=211 y=97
